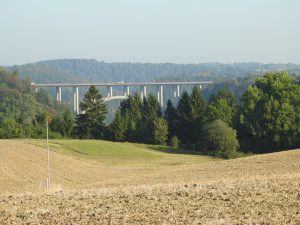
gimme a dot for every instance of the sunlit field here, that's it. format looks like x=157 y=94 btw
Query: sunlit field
x=100 y=182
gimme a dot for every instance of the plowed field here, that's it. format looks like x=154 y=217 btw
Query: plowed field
x=157 y=188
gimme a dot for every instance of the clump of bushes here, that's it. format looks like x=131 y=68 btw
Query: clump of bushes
x=174 y=142
x=220 y=139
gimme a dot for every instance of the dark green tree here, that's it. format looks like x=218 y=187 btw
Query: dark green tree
x=11 y=129
x=220 y=139
x=68 y=123
x=269 y=117
x=118 y=128
x=198 y=108
x=56 y=124
x=90 y=122
x=131 y=112
x=151 y=111
x=170 y=116
x=183 y=125
x=190 y=116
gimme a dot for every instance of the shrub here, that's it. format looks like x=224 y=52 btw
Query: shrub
x=174 y=142
x=160 y=132
x=220 y=139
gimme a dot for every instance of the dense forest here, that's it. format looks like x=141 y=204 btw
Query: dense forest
x=90 y=70
x=265 y=118
x=234 y=77
x=23 y=112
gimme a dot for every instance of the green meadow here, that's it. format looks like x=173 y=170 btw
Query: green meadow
x=126 y=154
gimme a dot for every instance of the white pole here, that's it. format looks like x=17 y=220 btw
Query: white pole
x=48 y=164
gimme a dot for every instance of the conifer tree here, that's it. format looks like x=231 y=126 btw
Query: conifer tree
x=151 y=111
x=90 y=122
x=68 y=123
x=198 y=107
x=131 y=112
x=160 y=131
x=118 y=127
x=184 y=117
x=170 y=116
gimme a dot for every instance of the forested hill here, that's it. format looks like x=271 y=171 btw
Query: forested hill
x=23 y=111
x=90 y=70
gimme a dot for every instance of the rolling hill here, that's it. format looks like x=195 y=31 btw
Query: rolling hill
x=83 y=70
x=122 y=183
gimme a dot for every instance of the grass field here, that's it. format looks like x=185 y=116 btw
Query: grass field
x=126 y=154
x=98 y=182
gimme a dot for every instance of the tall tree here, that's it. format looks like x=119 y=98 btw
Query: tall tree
x=170 y=116
x=68 y=123
x=269 y=115
x=131 y=112
x=160 y=131
x=151 y=110
x=198 y=107
x=184 y=118
x=90 y=122
x=117 y=129
x=222 y=106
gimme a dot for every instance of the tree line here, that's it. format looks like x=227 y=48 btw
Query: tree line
x=266 y=118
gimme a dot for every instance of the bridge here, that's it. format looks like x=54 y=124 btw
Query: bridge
x=126 y=89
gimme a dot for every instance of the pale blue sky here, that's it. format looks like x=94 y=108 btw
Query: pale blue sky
x=179 y=31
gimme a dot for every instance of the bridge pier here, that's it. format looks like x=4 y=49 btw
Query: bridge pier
x=158 y=94
x=174 y=91
x=76 y=99
x=143 y=90
x=58 y=94
x=109 y=91
x=161 y=95
x=178 y=91
x=126 y=91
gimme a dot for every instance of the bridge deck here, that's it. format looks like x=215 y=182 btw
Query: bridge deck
x=121 y=84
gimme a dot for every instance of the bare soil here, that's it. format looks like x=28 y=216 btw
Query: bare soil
x=262 y=189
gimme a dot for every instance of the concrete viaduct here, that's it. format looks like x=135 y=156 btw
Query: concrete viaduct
x=126 y=89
